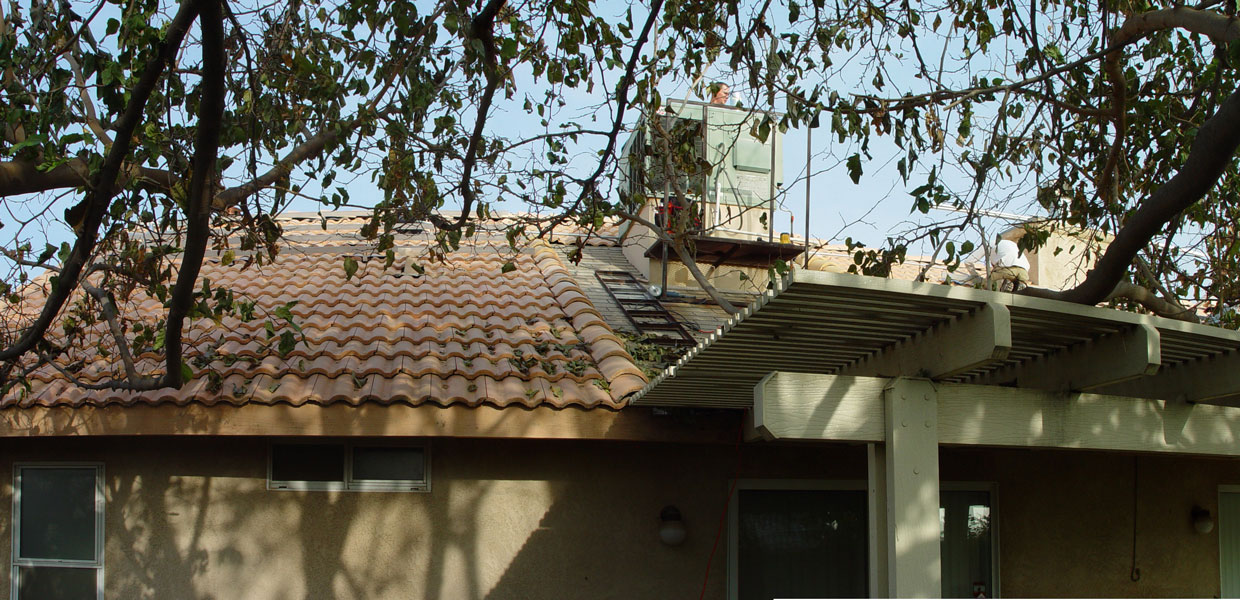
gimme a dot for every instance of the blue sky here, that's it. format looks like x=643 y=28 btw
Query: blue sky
x=868 y=211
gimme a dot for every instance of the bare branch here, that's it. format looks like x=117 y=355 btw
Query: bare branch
x=108 y=306
x=88 y=105
x=1129 y=291
x=687 y=259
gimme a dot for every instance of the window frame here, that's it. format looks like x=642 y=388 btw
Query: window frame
x=828 y=485
x=348 y=483
x=16 y=562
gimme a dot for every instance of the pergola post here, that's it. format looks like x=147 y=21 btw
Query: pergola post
x=876 y=459
x=912 y=494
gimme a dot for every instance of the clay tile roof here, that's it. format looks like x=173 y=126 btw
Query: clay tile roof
x=836 y=258
x=463 y=332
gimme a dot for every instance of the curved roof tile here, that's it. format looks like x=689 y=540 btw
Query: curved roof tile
x=461 y=332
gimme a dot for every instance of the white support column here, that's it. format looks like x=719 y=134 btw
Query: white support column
x=876 y=459
x=912 y=465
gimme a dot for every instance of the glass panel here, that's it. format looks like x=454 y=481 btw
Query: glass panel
x=57 y=513
x=966 y=545
x=1229 y=542
x=404 y=464
x=57 y=583
x=802 y=544
x=307 y=462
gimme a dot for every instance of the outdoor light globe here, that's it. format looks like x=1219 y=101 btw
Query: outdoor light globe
x=1203 y=521
x=672 y=532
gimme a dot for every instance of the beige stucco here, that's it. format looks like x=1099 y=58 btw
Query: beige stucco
x=1065 y=259
x=192 y=518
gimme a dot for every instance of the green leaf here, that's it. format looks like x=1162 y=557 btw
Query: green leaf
x=854 y=168
x=187 y=373
x=285 y=311
x=288 y=341
x=508 y=267
x=228 y=258
x=350 y=267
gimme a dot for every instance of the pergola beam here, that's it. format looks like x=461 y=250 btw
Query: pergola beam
x=1131 y=353
x=844 y=408
x=1204 y=380
x=956 y=346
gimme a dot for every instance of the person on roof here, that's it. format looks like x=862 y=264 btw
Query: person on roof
x=1009 y=271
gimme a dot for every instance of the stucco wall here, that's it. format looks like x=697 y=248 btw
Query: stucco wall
x=504 y=519
x=558 y=519
x=1066 y=520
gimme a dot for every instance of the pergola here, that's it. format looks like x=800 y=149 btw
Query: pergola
x=905 y=366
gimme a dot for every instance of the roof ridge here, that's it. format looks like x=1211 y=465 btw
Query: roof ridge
x=622 y=374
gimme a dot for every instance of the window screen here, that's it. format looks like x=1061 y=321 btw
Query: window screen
x=59 y=525
x=802 y=544
x=57 y=518
x=388 y=463
x=57 y=583
x=307 y=462
x=344 y=466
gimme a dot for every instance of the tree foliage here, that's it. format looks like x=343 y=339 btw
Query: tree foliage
x=158 y=130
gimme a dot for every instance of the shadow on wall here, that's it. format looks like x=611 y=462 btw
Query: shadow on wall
x=192 y=518
x=203 y=525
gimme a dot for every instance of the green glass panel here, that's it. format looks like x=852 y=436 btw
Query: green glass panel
x=387 y=464
x=802 y=544
x=307 y=462
x=57 y=583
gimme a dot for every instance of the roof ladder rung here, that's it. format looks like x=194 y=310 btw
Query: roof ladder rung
x=643 y=310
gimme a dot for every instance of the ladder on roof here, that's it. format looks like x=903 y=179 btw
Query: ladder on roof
x=643 y=310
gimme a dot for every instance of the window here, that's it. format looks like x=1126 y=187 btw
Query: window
x=966 y=541
x=796 y=539
x=1229 y=540
x=341 y=466
x=57 y=532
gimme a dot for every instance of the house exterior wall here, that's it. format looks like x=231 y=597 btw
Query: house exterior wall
x=192 y=518
x=1065 y=520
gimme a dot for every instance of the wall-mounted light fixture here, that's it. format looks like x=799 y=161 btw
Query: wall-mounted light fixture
x=1203 y=521
x=672 y=530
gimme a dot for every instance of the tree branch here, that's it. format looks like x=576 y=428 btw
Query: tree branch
x=24 y=177
x=198 y=211
x=1212 y=150
x=88 y=105
x=304 y=151
x=686 y=258
x=1129 y=291
x=108 y=307
x=103 y=184
x=481 y=28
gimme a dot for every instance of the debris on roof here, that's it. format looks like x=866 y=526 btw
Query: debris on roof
x=467 y=330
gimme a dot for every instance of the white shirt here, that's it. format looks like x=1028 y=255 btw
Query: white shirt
x=1007 y=254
